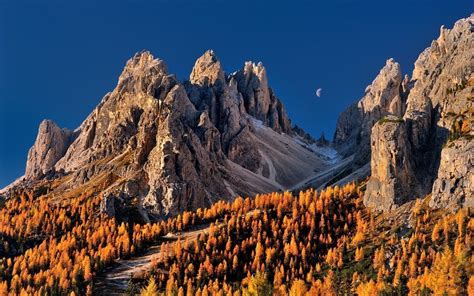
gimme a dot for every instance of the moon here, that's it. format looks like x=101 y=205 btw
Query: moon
x=319 y=92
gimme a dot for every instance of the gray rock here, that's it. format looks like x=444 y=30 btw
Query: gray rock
x=454 y=184
x=439 y=94
x=392 y=182
x=259 y=100
x=381 y=98
x=164 y=146
x=50 y=145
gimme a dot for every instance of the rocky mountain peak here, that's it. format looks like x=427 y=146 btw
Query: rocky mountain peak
x=382 y=97
x=141 y=74
x=163 y=146
x=436 y=152
x=207 y=70
x=259 y=100
x=143 y=64
x=50 y=145
x=383 y=90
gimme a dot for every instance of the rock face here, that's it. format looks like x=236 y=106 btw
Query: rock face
x=454 y=185
x=392 y=182
x=50 y=145
x=259 y=99
x=384 y=96
x=435 y=139
x=164 y=146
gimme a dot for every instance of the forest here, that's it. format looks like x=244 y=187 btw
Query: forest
x=310 y=243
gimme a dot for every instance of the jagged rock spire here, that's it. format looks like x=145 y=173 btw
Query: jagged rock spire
x=207 y=70
x=382 y=97
x=50 y=145
x=170 y=143
x=415 y=152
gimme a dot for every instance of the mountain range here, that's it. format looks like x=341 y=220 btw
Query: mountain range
x=156 y=146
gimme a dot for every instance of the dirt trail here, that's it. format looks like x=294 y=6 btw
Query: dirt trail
x=114 y=281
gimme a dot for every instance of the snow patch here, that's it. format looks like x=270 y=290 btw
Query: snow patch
x=325 y=152
x=257 y=123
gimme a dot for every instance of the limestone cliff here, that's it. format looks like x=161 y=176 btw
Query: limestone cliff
x=384 y=96
x=436 y=135
x=392 y=181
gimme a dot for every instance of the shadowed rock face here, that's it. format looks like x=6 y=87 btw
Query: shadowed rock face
x=441 y=92
x=173 y=146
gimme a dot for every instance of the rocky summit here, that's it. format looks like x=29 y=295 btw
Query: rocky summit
x=420 y=129
x=162 y=146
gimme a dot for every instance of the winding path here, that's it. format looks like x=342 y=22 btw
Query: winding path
x=114 y=280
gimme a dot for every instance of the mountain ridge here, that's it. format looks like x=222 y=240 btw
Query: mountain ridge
x=167 y=146
x=178 y=145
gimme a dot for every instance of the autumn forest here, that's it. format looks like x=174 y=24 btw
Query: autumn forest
x=314 y=243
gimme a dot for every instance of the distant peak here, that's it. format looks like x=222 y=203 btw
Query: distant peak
x=48 y=125
x=141 y=57
x=210 y=52
x=391 y=70
x=253 y=67
x=391 y=63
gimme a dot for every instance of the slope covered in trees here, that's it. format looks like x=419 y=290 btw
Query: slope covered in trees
x=55 y=247
x=316 y=242
x=322 y=243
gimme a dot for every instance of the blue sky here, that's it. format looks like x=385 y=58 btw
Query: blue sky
x=58 y=58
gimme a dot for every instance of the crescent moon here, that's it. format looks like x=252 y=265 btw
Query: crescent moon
x=318 y=92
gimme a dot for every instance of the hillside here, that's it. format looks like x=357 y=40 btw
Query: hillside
x=324 y=242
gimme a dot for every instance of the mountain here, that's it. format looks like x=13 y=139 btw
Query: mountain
x=160 y=146
x=163 y=146
x=394 y=218
x=417 y=132
x=429 y=148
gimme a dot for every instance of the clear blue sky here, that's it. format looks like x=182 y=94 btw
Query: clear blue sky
x=58 y=58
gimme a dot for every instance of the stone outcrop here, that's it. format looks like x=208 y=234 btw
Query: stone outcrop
x=260 y=101
x=207 y=71
x=384 y=96
x=454 y=185
x=439 y=101
x=392 y=181
x=50 y=145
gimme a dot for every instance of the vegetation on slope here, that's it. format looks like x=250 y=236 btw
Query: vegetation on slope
x=55 y=248
x=318 y=242
x=322 y=243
